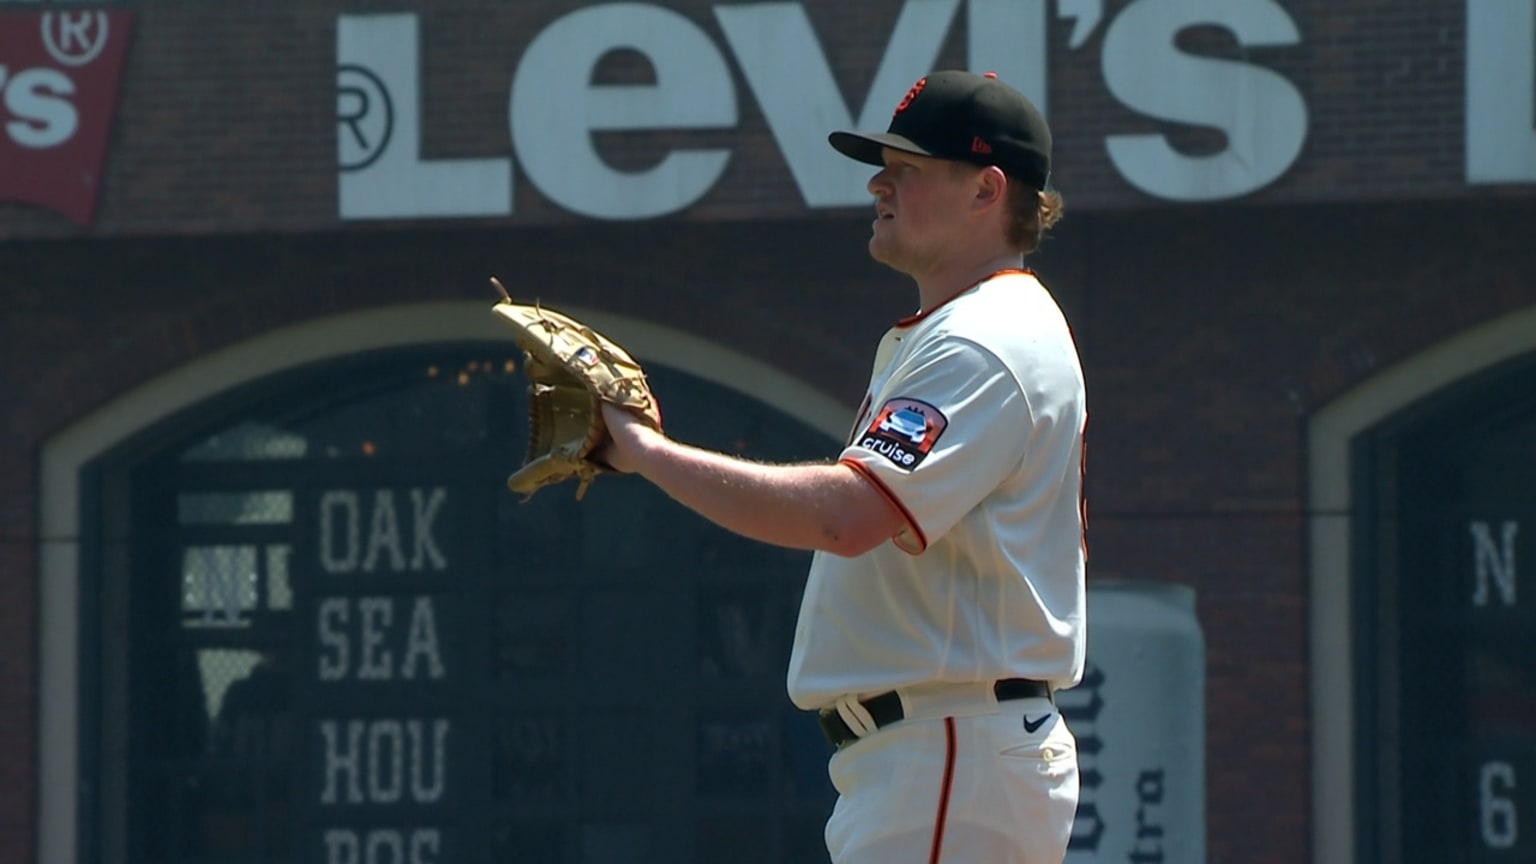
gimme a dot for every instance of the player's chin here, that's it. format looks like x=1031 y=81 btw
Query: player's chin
x=882 y=249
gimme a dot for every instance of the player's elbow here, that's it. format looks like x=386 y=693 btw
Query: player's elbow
x=851 y=540
x=859 y=517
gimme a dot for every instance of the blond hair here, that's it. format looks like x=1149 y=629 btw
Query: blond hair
x=1031 y=213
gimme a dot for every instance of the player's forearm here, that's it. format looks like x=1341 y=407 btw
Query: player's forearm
x=826 y=507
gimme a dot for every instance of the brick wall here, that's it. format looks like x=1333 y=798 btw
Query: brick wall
x=1209 y=335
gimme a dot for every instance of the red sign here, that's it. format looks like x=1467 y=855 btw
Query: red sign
x=58 y=89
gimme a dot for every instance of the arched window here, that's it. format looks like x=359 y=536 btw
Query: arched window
x=1445 y=624
x=321 y=629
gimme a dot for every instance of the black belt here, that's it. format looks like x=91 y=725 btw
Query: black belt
x=885 y=709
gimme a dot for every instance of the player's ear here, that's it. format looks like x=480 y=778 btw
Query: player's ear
x=991 y=188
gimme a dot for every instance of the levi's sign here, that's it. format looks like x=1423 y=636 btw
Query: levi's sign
x=554 y=109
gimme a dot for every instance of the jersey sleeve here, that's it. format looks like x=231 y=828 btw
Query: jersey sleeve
x=947 y=427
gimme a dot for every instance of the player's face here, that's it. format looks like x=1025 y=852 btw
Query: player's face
x=919 y=205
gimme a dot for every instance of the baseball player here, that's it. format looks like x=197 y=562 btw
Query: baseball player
x=945 y=601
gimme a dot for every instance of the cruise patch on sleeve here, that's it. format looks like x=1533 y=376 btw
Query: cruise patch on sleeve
x=904 y=431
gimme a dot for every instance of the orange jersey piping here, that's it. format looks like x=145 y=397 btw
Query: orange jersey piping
x=868 y=474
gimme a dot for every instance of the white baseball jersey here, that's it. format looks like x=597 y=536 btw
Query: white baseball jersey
x=973 y=429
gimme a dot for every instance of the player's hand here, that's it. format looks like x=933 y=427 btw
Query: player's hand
x=629 y=438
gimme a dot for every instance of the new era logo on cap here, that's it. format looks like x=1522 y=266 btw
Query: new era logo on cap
x=965 y=117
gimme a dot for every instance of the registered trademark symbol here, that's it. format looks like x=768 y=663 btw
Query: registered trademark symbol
x=74 y=38
x=365 y=117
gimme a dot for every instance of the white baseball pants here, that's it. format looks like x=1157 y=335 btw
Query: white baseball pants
x=965 y=779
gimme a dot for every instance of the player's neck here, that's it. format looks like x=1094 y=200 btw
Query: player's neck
x=934 y=289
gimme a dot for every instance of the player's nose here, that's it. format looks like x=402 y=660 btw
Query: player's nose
x=880 y=184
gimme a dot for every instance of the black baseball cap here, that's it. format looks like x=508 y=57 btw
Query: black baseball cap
x=965 y=117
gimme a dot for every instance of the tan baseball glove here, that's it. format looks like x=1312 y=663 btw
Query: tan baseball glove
x=571 y=370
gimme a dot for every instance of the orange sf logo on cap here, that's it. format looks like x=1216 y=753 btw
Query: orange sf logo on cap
x=911 y=94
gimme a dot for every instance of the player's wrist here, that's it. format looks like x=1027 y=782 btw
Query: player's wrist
x=651 y=447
